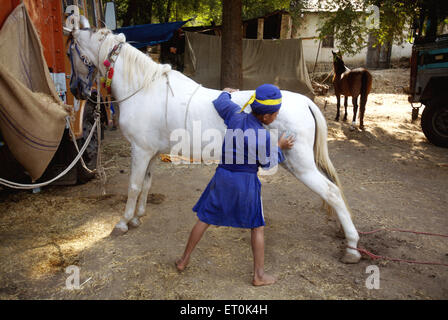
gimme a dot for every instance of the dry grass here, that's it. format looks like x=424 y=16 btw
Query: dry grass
x=41 y=234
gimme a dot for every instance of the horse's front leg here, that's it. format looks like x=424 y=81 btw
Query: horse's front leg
x=139 y=166
x=142 y=199
x=345 y=107
x=338 y=106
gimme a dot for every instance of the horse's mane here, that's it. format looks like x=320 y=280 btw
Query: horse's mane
x=134 y=61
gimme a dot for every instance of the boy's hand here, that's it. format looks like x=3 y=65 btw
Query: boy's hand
x=286 y=143
x=230 y=90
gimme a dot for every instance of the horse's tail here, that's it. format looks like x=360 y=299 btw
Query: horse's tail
x=366 y=83
x=321 y=157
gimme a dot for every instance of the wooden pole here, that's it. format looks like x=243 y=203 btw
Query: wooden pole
x=260 y=30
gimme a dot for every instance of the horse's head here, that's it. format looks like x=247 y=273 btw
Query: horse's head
x=83 y=49
x=337 y=56
x=338 y=63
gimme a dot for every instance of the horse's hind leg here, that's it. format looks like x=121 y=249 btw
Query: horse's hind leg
x=139 y=166
x=345 y=107
x=141 y=204
x=331 y=194
x=355 y=111
x=362 y=110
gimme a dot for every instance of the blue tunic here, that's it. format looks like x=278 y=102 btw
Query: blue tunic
x=233 y=196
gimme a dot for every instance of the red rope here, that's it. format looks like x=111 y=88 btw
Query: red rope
x=401 y=230
x=375 y=257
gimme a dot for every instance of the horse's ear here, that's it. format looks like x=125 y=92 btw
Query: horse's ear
x=121 y=37
x=84 y=23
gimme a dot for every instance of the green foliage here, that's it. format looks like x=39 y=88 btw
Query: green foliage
x=346 y=20
x=132 y=12
x=205 y=12
x=257 y=8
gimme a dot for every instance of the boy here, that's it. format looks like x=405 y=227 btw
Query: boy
x=233 y=196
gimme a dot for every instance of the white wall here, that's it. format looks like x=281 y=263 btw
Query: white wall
x=309 y=29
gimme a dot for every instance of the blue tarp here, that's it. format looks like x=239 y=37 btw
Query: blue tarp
x=150 y=34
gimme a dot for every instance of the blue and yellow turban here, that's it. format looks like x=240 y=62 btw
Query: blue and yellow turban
x=266 y=99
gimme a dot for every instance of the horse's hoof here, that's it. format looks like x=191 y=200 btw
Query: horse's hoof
x=352 y=128
x=119 y=230
x=336 y=119
x=361 y=128
x=134 y=223
x=351 y=257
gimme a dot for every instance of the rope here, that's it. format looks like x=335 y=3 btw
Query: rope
x=118 y=101
x=188 y=104
x=168 y=87
x=72 y=134
x=100 y=169
x=16 y=185
x=401 y=230
x=376 y=257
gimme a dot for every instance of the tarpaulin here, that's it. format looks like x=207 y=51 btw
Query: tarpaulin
x=32 y=117
x=280 y=62
x=150 y=34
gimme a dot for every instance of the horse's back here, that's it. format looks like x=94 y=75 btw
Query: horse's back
x=351 y=82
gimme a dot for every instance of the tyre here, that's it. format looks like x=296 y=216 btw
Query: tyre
x=434 y=122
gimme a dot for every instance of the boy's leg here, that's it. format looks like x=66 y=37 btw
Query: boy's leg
x=195 y=235
x=257 y=240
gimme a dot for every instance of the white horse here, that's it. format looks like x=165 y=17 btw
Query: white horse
x=155 y=102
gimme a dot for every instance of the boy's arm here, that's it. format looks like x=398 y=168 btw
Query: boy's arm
x=273 y=161
x=225 y=106
x=276 y=158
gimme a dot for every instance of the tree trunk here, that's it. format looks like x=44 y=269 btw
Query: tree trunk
x=132 y=6
x=232 y=44
x=378 y=57
x=373 y=53
x=138 y=12
x=149 y=8
x=385 y=54
x=168 y=10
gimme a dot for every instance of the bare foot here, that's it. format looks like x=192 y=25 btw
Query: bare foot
x=264 y=280
x=181 y=264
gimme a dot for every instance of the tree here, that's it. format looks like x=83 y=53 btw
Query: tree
x=207 y=12
x=133 y=12
x=346 y=20
x=232 y=44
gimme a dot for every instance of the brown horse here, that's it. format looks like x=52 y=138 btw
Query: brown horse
x=351 y=83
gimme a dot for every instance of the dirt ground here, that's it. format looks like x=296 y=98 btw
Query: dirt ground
x=392 y=178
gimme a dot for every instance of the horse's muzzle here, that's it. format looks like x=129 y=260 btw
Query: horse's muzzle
x=79 y=91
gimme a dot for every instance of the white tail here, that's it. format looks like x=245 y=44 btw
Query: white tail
x=321 y=156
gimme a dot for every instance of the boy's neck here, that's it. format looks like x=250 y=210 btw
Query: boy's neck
x=259 y=117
